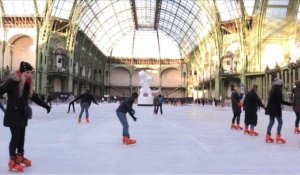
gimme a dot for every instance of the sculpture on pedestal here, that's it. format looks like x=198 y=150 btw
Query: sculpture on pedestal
x=145 y=96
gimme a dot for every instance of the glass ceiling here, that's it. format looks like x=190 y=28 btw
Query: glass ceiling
x=108 y=22
x=22 y=8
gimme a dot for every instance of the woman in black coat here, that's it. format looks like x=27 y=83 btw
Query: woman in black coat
x=251 y=104
x=236 y=108
x=274 y=110
x=19 y=88
x=85 y=103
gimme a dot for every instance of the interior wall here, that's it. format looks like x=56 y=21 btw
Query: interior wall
x=171 y=78
x=120 y=77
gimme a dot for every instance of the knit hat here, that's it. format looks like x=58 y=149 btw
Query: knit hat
x=24 y=66
x=277 y=81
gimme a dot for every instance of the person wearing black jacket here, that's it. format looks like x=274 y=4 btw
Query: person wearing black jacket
x=126 y=106
x=251 y=104
x=85 y=103
x=19 y=88
x=274 y=110
x=236 y=108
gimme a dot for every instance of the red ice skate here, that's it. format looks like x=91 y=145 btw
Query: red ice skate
x=23 y=161
x=13 y=165
x=238 y=127
x=79 y=120
x=269 y=138
x=87 y=120
x=296 y=130
x=279 y=139
x=246 y=131
x=128 y=141
x=233 y=126
x=253 y=133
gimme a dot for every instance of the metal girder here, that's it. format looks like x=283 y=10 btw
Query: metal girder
x=157 y=13
x=2 y=7
x=133 y=11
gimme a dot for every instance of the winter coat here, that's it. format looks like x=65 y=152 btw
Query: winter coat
x=160 y=100
x=86 y=98
x=235 y=99
x=275 y=101
x=251 y=104
x=17 y=99
x=126 y=106
x=296 y=99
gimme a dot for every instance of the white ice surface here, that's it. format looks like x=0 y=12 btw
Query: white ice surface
x=185 y=140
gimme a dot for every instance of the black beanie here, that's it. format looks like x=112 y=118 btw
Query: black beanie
x=24 y=66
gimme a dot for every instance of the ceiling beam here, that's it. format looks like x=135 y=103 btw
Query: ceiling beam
x=157 y=13
x=133 y=10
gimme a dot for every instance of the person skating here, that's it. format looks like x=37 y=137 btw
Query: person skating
x=274 y=110
x=251 y=104
x=296 y=105
x=236 y=108
x=155 y=105
x=126 y=106
x=85 y=103
x=160 y=100
x=70 y=99
x=19 y=88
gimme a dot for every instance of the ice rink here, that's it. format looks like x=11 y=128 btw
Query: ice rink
x=185 y=140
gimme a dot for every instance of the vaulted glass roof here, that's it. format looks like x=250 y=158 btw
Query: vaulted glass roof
x=108 y=22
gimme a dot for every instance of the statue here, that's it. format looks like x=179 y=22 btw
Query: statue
x=145 y=96
x=145 y=81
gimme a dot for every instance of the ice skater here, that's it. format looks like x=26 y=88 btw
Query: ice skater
x=274 y=110
x=70 y=99
x=160 y=100
x=19 y=88
x=251 y=104
x=126 y=106
x=85 y=103
x=296 y=105
x=236 y=108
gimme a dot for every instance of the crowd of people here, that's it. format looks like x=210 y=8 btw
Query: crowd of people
x=251 y=104
x=19 y=89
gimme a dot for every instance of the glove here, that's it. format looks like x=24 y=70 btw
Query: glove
x=133 y=111
x=134 y=118
x=48 y=108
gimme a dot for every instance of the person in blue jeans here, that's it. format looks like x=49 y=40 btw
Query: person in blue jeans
x=126 y=106
x=160 y=100
x=85 y=103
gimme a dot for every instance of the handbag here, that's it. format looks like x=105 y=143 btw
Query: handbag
x=27 y=113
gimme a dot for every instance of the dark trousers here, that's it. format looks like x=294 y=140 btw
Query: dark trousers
x=159 y=106
x=297 y=120
x=16 y=144
x=271 y=123
x=237 y=117
x=155 y=109
x=72 y=106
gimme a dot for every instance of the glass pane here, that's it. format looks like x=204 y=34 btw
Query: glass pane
x=278 y=2
x=279 y=13
x=228 y=9
x=18 y=8
x=249 y=5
